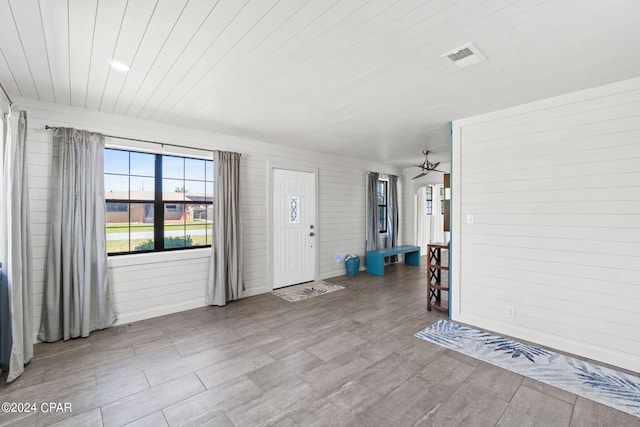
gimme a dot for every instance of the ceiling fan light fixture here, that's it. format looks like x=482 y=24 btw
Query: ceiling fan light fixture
x=427 y=166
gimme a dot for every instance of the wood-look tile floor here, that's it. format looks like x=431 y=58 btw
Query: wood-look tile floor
x=348 y=358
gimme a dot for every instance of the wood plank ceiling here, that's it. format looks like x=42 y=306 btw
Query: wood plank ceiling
x=357 y=78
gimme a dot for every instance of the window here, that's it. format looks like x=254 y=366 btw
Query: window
x=429 y=200
x=382 y=206
x=118 y=207
x=156 y=202
x=174 y=208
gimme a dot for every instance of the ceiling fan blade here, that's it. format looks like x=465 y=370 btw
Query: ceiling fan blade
x=436 y=170
x=420 y=176
x=435 y=165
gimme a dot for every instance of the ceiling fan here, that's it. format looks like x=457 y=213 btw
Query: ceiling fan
x=427 y=166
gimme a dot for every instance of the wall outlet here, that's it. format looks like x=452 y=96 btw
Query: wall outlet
x=338 y=258
x=510 y=311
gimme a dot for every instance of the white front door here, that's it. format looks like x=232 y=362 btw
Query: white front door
x=294 y=232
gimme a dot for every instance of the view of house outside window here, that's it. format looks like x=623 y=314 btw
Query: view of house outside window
x=157 y=202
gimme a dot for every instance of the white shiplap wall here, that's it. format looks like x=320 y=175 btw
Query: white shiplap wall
x=554 y=188
x=148 y=285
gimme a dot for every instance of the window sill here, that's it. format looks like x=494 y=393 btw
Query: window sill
x=158 y=257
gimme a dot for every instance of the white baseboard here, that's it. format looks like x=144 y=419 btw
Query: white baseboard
x=563 y=344
x=256 y=291
x=339 y=272
x=330 y=274
x=159 y=311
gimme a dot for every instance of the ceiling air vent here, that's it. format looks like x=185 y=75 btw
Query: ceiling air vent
x=465 y=56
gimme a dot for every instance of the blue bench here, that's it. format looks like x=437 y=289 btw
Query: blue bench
x=375 y=259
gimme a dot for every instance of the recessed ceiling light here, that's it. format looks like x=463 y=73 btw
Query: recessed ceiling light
x=119 y=66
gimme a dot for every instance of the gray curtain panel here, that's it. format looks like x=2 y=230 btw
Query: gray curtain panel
x=226 y=270
x=16 y=283
x=392 y=215
x=373 y=234
x=76 y=294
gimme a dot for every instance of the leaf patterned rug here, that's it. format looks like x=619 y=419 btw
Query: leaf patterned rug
x=306 y=290
x=598 y=383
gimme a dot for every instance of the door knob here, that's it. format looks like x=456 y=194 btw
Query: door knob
x=312 y=234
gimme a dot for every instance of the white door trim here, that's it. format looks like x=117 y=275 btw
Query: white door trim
x=270 y=167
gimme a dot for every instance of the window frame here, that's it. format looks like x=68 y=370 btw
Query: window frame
x=386 y=202
x=158 y=203
x=429 y=199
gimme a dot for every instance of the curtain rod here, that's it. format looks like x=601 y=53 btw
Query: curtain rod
x=6 y=95
x=47 y=127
